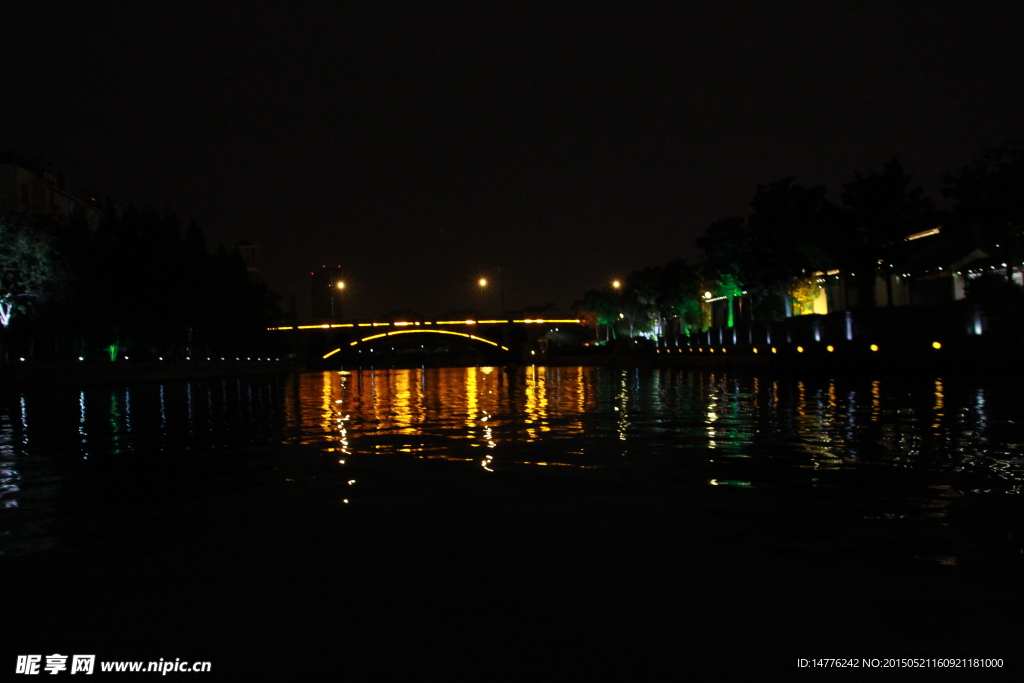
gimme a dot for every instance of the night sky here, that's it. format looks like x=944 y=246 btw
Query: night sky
x=421 y=147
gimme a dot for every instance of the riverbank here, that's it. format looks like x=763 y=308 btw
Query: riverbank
x=970 y=354
x=25 y=374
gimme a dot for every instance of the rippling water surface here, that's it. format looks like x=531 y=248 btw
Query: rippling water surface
x=924 y=441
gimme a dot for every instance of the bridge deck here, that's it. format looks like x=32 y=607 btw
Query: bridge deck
x=425 y=323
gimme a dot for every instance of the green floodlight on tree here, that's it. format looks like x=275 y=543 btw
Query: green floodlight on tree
x=603 y=305
x=730 y=288
x=112 y=350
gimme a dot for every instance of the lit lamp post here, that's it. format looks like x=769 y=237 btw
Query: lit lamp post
x=616 y=285
x=501 y=288
x=711 y=318
x=336 y=288
x=483 y=295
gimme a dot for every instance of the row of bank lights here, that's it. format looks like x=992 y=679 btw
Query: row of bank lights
x=799 y=349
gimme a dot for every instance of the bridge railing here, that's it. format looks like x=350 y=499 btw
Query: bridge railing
x=427 y=323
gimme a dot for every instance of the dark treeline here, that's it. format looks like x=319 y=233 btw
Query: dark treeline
x=769 y=257
x=143 y=286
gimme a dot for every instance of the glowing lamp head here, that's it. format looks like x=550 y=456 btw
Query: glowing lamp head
x=482 y=282
x=616 y=284
x=874 y=347
x=708 y=295
x=936 y=345
x=340 y=285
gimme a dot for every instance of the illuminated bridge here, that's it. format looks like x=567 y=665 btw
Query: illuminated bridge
x=506 y=340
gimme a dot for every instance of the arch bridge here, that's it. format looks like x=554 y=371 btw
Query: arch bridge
x=511 y=337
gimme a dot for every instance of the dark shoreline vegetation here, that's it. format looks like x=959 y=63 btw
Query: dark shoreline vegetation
x=136 y=283
x=884 y=245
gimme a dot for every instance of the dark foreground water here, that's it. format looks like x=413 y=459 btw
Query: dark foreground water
x=556 y=522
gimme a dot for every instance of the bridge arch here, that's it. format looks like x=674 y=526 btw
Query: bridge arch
x=393 y=333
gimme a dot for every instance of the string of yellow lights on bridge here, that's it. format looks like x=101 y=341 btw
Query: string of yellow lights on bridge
x=425 y=326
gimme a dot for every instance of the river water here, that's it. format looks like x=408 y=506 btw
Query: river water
x=927 y=469
x=715 y=428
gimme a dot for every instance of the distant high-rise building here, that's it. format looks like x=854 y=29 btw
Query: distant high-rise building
x=250 y=256
x=34 y=188
x=326 y=288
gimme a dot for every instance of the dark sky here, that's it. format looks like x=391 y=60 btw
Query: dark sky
x=420 y=147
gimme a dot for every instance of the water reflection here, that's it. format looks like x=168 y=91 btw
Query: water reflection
x=9 y=476
x=707 y=427
x=572 y=416
x=605 y=417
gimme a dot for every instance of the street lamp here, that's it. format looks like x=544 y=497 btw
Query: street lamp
x=483 y=295
x=616 y=285
x=339 y=286
x=501 y=288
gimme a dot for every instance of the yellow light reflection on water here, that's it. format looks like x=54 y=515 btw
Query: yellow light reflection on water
x=536 y=401
x=327 y=402
x=581 y=396
x=405 y=402
x=441 y=413
x=876 y=400
x=485 y=416
x=938 y=408
x=471 y=397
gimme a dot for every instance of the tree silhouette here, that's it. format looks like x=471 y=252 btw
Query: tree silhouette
x=603 y=306
x=28 y=265
x=988 y=210
x=680 y=294
x=881 y=209
x=726 y=244
x=786 y=240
